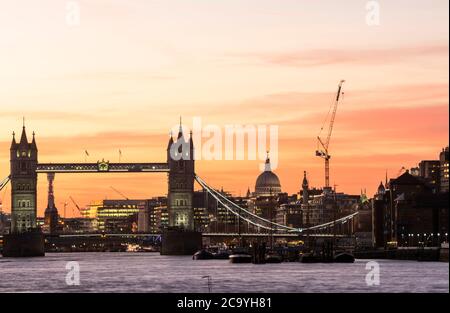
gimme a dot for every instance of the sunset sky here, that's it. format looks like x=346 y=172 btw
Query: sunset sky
x=123 y=76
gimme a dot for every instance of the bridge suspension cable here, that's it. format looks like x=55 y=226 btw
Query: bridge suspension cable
x=4 y=182
x=224 y=203
x=227 y=202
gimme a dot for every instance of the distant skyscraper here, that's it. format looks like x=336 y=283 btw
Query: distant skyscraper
x=305 y=199
x=51 y=212
x=305 y=189
x=429 y=170
x=443 y=163
x=119 y=216
x=90 y=210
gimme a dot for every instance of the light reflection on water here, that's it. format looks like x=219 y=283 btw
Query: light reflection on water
x=150 y=272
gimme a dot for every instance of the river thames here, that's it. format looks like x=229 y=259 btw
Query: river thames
x=150 y=272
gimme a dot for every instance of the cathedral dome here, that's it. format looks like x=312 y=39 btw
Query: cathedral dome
x=267 y=179
x=267 y=182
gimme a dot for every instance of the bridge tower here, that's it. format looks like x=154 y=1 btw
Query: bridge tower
x=180 y=158
x=181 y=238
x=24 y=159
x=25 y=238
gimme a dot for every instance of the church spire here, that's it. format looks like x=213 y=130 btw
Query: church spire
x=13 y=142
x=23 y=137
x=305 y=189
x=191 y=144
x=33 y=142
x=305 y=183
x=180 y=129
x=267 y=165
x=170 y=143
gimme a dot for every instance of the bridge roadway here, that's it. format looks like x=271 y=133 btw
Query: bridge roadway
x=292 y=235
x=254 y=235
x=102 y=167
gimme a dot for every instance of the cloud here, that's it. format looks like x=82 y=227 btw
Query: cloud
x=106 y=144
x=50 y=115
x=371 y=131
x=321 y=57
x=308 y=109
x=114 y=75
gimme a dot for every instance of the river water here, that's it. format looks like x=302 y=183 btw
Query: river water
x=150 y=272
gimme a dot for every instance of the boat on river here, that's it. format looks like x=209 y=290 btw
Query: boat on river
x=240 y=258
x=344 y=257
x=221 y=255
x=273 y=257
x=203 y=255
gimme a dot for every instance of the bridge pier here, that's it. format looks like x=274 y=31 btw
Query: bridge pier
x=180 y=242
x=27 y=244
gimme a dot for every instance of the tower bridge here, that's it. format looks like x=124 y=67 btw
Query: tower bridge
x=25 y=239
x=101 y=167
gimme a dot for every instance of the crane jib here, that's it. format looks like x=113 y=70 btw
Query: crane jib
x=338 y=93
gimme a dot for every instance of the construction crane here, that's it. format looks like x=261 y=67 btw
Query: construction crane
x=76 y=205
x=119 y=192
x=323 y=150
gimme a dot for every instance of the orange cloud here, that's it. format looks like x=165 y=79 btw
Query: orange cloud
x=321 y=57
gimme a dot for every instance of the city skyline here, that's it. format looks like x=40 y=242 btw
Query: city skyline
x=127 y=92
x=129 y=191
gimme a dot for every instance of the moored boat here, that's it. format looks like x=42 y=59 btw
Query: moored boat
x=273 y=258
x=309 y=258
x=344 y=257
x=240 y=258
x=221 y=255
x=203 y=255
